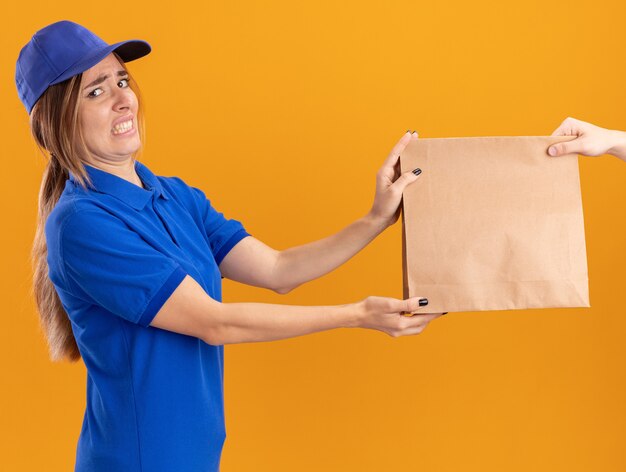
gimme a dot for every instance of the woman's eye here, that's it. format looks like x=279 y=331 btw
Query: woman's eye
x=92 y=94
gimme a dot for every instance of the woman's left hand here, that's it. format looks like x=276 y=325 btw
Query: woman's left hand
x=390 y=184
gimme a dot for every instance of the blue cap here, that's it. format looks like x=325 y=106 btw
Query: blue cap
x=59 y=51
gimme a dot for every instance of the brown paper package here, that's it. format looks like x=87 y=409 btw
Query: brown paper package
x=493 y=223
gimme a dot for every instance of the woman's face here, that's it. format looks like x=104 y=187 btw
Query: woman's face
x=108 y=112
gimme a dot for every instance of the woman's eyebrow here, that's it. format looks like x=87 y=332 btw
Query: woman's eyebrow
x=102 y=78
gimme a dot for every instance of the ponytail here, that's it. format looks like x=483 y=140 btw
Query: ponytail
x=53 y=318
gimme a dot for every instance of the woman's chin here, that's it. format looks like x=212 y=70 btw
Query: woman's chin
x=127 y=147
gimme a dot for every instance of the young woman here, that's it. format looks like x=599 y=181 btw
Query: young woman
x=128 y=265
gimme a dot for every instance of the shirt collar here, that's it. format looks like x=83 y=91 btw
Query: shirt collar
x=133 y=195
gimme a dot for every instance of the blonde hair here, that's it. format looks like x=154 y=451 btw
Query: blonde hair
x=55 y=126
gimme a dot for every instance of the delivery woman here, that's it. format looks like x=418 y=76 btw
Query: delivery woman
x=128 y=265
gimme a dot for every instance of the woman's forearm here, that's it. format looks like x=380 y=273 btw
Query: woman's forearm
x=301 y=264
x=255 y=322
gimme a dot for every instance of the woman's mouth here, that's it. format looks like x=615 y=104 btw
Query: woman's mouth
x=124 y=129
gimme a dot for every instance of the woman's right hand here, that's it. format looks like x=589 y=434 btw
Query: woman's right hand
x=389 y=315
x=591 y=140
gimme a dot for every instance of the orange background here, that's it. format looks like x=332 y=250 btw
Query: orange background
x=283 y=112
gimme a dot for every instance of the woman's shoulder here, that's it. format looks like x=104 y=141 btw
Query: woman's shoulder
x=179 y=189
x=175 y=185
x=71 y=207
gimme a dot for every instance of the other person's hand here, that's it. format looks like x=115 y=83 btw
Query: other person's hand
x=591 y=140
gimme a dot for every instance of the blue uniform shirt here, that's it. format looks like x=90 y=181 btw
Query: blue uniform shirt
x=115 y=255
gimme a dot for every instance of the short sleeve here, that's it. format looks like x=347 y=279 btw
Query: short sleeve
x=104 y=261
x=222 y=233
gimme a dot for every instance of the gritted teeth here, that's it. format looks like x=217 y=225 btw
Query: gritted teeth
x=123 y=127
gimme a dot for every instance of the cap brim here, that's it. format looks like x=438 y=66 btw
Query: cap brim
x=132 y=49
x=127 y=50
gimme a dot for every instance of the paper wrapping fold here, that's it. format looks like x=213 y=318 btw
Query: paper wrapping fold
x=493 y=223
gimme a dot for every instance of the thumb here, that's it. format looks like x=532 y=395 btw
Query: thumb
x=406 y=179
x=568 y=147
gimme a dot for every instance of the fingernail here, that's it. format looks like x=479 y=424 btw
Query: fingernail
x=423 y=301
x=408 y=131
x=417 y=171
x=552 y=151
x=413 y=132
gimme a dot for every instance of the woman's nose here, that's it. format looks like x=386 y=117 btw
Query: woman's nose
x=123 y=99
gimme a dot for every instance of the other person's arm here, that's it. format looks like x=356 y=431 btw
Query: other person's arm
x=591 y=141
